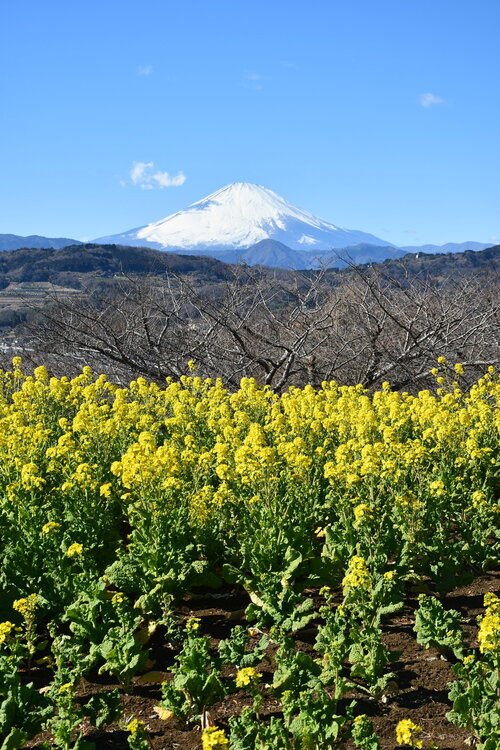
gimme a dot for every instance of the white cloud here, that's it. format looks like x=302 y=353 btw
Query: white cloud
x=144 y=70
x=138 y=171
x=253 y=81
x=144 y=175
x=164 y=180
x=427 y=100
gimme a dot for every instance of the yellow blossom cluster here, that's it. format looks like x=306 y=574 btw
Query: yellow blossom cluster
x=193 y=453
x=214 y=739
x=136 y=726
x=74 y=550
x=406 y=731
x=5 y=630
x=489 y=626
x=247 y=676
x=409 y=501
x=357 y=576
x=27 y=607
x=362 y=513
x=50 y=526
x=196 y=440
x=66 y=687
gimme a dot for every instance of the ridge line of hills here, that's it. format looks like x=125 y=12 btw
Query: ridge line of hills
x=70 y=265
x=16 y=241
x=29 y=277
x=268 y=252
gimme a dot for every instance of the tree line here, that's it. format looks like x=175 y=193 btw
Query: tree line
x=368 y=326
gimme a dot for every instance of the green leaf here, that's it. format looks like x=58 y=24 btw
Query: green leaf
x=103 y=708
x=15 y=739
x=82 y=744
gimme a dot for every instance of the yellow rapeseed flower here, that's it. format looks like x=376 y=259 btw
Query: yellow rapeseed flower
x=40 y=373
x=247 y=676
x=5 y=630
x=27 y=607
x=74 y=550
x=213 y=738
x=478 y=498
x=136 y=725
x=362 y=513
x=357 y=575
x=437 y=488
x=50 y=526
x=405 y=733
x=492 y=602
x=489 y=626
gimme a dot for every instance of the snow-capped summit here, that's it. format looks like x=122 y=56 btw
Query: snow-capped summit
x=238 y=216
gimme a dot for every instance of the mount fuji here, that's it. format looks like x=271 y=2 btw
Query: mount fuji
x=237 y=217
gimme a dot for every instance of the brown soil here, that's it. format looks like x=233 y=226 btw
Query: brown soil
x=422 y=676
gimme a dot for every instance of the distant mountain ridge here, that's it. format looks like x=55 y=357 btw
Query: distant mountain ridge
x=278 y=255
x=448 y=247
x=267 y=252
x=270 y=253
x=16 y=241
x=77 y=264
x=69 y=265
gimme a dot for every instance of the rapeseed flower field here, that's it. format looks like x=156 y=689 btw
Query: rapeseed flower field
x=322 y=507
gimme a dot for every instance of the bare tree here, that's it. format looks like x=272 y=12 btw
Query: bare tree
x=406 y=322
x=364 y=326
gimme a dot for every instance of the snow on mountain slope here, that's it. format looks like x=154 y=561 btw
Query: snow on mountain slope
x=239 y=216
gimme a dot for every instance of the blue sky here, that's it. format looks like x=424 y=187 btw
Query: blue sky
x=382 y=116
